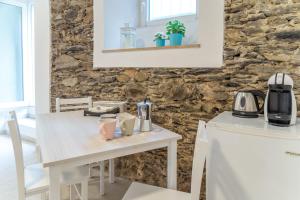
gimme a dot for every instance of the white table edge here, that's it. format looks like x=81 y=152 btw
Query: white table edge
x=97 y=157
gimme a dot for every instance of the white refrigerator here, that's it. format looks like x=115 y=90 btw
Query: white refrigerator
x=249 y=159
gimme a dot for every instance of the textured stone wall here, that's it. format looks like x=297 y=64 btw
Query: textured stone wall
x=261 y=37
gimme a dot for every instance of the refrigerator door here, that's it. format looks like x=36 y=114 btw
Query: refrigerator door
x=251 y=166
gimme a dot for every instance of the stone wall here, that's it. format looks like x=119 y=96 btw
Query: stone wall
x=261 y=37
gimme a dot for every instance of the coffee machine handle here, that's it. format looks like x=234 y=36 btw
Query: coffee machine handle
x=261 y=95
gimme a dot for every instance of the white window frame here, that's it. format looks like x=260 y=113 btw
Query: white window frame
x=28 y=54
x=144 y=6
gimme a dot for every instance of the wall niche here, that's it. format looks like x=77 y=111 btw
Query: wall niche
x=124 y=33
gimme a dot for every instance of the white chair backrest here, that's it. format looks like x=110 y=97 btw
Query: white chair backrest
x=201 y=148
x=13 y=116
x=73 y=104
x=18 y=152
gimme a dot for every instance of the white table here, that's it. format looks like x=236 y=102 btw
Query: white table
x=69 y=139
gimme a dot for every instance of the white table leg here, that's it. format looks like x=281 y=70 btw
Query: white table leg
x=54 y=187
x=102 y=178
x=111 y=171
x=39 y=154
x=44 y=196
x=84 y=189
x=70 y=191
x=172 y=165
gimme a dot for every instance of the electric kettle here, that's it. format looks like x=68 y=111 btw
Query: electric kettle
x=246 y=104
x=144 y=109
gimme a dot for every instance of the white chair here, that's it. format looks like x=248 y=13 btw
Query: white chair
x=30 y=129
x=138 y=191
x=79 y=104
x=27 y=127
x=34 y=179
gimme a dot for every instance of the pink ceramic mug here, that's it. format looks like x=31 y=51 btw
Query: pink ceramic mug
x=107 y=128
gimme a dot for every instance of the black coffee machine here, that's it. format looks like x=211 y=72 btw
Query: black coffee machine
x=280 y=103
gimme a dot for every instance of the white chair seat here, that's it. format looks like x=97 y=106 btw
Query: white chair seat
x=139 y=191
x=28 y=129
x=37 y=177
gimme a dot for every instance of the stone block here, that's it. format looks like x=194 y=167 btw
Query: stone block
x=65 y=61
x=70 y=82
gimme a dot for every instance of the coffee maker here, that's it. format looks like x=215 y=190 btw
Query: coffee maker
x=280 y=104
x=144 y=109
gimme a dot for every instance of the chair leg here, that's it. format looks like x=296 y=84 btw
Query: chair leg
x=111 y=171
x=70 y=191
x=44 y=196
x=38 y=152
x=84 y=189
x=90 y=171
x=102 y=178
x=77 y=192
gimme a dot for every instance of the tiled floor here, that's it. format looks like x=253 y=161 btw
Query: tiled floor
x=8 y=179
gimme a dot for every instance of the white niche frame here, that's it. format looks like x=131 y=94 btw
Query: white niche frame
x=209 y=55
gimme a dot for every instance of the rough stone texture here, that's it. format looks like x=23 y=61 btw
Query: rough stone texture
x=65 y=61
x=261 y=38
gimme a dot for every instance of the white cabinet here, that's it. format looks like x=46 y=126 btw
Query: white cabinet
x=251 y=160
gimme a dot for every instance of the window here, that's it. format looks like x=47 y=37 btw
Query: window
x=162 y=9
x=16 y=55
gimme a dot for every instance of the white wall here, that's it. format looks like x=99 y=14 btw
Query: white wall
x=127 y=11
x=211 y=38
x=118 y=12
x=42 y=55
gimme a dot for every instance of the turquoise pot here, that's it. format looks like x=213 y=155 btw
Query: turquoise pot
x=176 y=39
x=160 y=42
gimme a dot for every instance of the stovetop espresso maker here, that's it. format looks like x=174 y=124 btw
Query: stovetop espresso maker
x=144 y=109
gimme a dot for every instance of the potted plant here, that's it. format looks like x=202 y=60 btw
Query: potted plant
x=175 y=31
x=160 y=39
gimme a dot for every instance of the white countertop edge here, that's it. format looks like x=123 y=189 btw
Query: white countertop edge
x=235 y=129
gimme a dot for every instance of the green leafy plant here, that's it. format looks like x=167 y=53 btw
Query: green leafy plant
x=175 y=26
x=160 y=36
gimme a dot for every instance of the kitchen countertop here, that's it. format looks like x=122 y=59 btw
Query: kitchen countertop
x=254 y=126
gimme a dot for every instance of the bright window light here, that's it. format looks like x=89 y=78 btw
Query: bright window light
x=11 y=54
x=162 y=9
x=16 y=54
